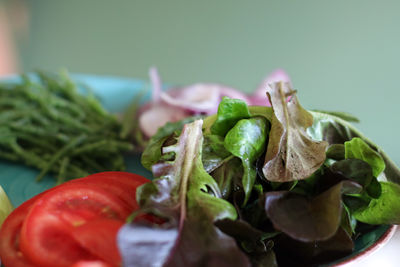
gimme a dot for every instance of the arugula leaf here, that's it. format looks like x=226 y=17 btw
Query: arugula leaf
x=356 y=148
x=190 y=198
x=307 y=219
x=383 y=210
x=291 y=153
x=229 y=112
x=246 y=140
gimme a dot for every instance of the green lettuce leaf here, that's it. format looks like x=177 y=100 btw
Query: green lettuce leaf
x=335 y=130
x=291 y=153
x=382 y=210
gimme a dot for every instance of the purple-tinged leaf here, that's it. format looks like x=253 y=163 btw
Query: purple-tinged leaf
x=307 y=219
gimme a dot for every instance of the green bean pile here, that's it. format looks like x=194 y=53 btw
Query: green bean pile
x=45 y=123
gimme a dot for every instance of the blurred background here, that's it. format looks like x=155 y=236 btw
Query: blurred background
x=341 y=55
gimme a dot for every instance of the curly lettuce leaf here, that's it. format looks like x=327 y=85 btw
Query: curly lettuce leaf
x=189 y=198
x=291 y=153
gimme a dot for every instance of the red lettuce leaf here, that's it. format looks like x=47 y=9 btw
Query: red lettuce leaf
x=189 y=198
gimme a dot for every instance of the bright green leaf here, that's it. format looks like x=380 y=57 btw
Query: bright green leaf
x=246 y=140
x=229 y=112
x=383 y=210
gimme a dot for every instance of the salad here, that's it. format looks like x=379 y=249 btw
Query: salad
x=239 y=180
x=260 y=186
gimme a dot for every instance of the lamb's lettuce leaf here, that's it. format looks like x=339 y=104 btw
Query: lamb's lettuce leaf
x=229 y=112
x=246 y=140
x=291 y=153
x=189 y=198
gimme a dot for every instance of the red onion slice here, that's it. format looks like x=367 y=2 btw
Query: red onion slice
x=198 y=98
x=154 y=116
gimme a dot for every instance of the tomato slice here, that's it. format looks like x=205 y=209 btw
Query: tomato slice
x=46 y=238
x=10 y=253
x=120 y=184
x=66 y=211
x=100 y=238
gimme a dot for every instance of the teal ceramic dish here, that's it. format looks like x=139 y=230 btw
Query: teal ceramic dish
x=116 y=94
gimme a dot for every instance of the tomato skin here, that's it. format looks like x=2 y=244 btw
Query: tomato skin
x=51 y=220
x=100 y=238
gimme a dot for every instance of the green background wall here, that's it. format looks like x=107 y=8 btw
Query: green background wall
x=341 y=55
